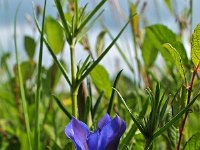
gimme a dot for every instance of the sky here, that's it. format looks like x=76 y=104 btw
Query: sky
x=8 y=9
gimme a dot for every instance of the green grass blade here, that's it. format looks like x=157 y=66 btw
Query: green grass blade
x=163 y=110
x=76 y=13
x=113 y=92
x=175 y=118
x=82 y=12
x=120 y=51
x=87 y=109
x=64 y=22
x=139 y=126
x=103 y=54
x=23 y=98
x=94 y=110
x=81 y=34
x=52 y=53
x=87 y=19
x=38 y=90
x=84 y=66
x=62 y=107
x=62 y=69
x=129 y=136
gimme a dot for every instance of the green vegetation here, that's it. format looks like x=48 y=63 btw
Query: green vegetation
x=159 y=103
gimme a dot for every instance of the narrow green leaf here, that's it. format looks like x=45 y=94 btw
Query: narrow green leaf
x=64 y=22
x=88 y=18
x=55 y=34
x=84 y=66
x=83 y=32
x=121 y=52
x=157 y=94
x=193 y=143
x=103 y=54
x=172 y=132
x=94 y=110
x=87 y=109
x=62 y=107
x=38 y=88
x=52 y=53
x=89 y=88
x=82 y=12
x=196 y=46
x=21 y=84
x=113 y=92
x=130 y=134
x=30 y=45
x=76 y=13
x=175 y=118
x=163 y=110
x=64 y=72
x=139 y=126
x=176 y=59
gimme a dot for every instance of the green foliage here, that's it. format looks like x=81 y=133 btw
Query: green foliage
x=193 y=143
x=176 y=59
x=196 y=45
x=155 y=36
x=182 y=52
x=27 y=70
x=38 y=98
x=21 y=84
x=169 y=5
x=149 y=128
x=101 y=80
x=30 y=45
x=62 y=107
x=172 y=133
x=100 y=43
x=113 y=92
x=55 y=34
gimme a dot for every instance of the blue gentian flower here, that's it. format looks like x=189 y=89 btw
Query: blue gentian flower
x=105 y=137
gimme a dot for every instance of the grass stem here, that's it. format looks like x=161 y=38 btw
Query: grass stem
x=38 y=91
x=21 y=84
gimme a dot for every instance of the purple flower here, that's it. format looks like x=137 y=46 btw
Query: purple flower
x=106 y=137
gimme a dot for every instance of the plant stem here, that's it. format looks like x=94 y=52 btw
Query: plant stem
x=74 y=87
x=148 y=144
x=38 y=90
x=21 y=84
x=188 y=101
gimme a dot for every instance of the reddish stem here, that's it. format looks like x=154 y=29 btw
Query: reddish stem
x=181 y=128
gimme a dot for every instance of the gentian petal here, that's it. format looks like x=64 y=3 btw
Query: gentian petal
x=111 y=134
x=105 y=120
x=77 y=131
x=93 y=140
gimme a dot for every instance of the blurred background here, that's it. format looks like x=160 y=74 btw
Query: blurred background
x=116 y=11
